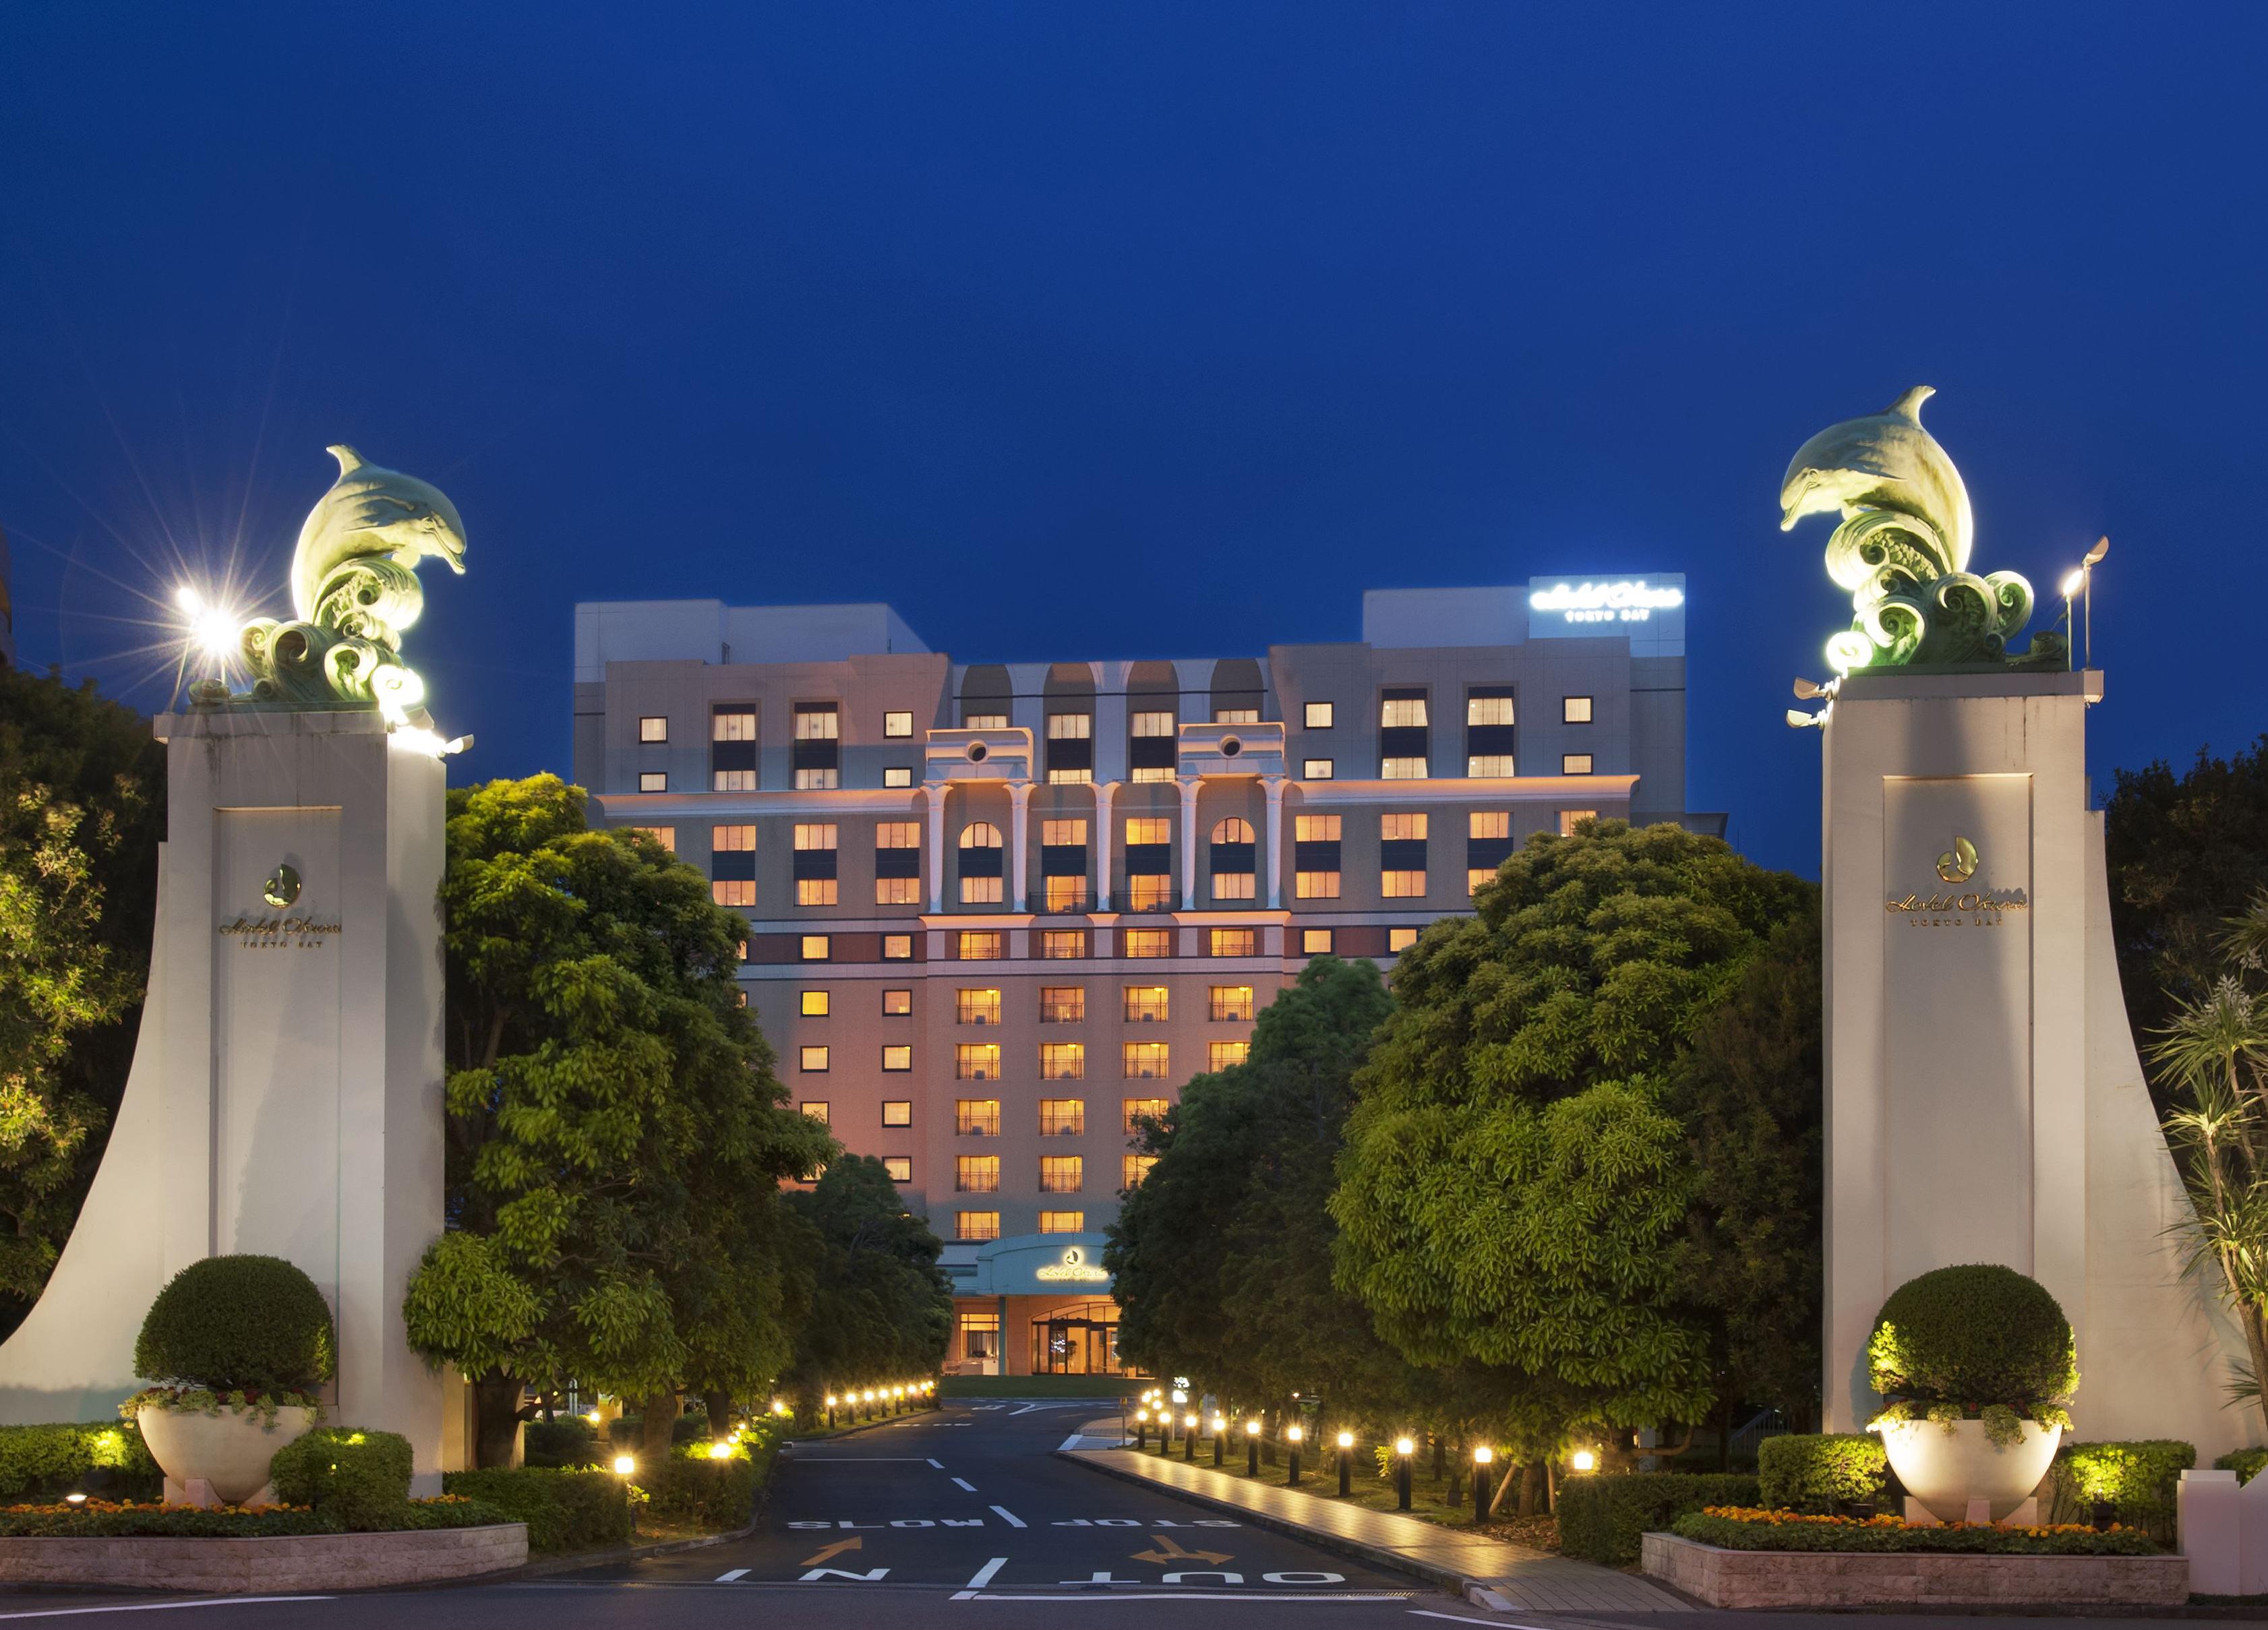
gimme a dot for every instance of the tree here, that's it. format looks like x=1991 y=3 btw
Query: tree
x=616 y=1136
x=82 y=808
x=1515 y=1186
x=2184 y=853
x=880 y=1307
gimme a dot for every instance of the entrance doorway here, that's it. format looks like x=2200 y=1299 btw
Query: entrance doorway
x=1078 y=1341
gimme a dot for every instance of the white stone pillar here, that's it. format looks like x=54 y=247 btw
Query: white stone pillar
x=1019 y=799
x=1190 y=785
x=937 y=790
x=1104 y=793
x=1273 y=786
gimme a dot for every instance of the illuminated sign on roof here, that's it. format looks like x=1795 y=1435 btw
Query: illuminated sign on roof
x=1649 y=609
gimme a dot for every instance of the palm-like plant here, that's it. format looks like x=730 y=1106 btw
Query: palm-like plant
x=2215 y=1055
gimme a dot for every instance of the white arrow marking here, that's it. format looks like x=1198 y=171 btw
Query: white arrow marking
x=726 y=1579
x=1010 y=1518
x=844 y=1573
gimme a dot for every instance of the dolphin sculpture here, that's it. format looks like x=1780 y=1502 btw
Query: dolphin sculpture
x=1883 y=462
x=371 y=513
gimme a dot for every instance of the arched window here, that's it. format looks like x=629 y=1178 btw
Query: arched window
x=980 y=863
x=1231 y=859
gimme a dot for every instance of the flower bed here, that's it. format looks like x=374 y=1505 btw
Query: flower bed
x=1742 y=1528
x=103 y=1519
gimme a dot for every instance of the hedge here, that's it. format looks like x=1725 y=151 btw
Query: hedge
x=100 y=1520
x=359 y=1477
x=710 y=1494
x=2140 y=1479
x=62 y=1459
x=238 y=1324
x=570 y=1441
x=1819 y=1471
x=1761 y=1533
x=2246 y=1463
x=1602 y=1515
x=564 y=1511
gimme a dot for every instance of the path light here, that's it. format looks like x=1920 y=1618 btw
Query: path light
x=1402 y=1450
x=1220 y=1428
x=1252 y=1448
x=830 y=1411
x=1482 y=1455
x=1583 y=1460
x=75 y=1500
x=1190 y=1439
x=1141 y=1428
x=595 y=1418
x=720 y=1450
x=1293 y=1434
x=1346 y=1464
x=624 y=1465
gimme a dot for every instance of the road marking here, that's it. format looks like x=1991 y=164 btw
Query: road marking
x=964 y=1482
x=1168 y=1550
x=1454 y=1619
x=159 y=1607
x=727 y=1578
x=939 y=1465
x=1207 y=1596
x=861 y=1459
x=983 y=1575
x=825 y=1553
x=1072 y=1442
x=844 y=1573
x=1010 y=1518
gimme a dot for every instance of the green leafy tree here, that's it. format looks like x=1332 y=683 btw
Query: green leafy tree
x=616 y=1136
x=881 y=1309
x=82 y=808
x=1516 y=1186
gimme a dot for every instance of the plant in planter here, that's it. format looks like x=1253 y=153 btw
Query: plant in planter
x=238 y=1347
x=1976 y=1363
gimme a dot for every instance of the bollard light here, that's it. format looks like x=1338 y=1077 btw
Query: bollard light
x=1583 y=1460
x=1220 y=1430
x=1404 y=1447
x=624 y=1465
x=595 y=1418
x=1346 y=1465
x=720 y=1450
x=76 y=1500
x=1482 y=1455
x=1252 y=1449
x=1293 y=1435
x=1190 y=1437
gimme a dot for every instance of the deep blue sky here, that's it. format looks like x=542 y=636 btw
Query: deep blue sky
x=1076 y=330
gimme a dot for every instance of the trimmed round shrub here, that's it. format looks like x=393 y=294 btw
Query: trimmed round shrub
x=244 y=1324
x=361 y=1478
x=1818 y=1473
x=1975 y=1336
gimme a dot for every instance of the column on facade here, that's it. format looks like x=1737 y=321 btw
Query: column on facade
x=937 y=790
x=1019 y=799
x=1104 y=792
x=1273 y=786
x=1190 y=785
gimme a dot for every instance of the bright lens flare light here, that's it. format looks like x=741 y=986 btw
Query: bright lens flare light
x=720 y=1451
x=624 y=1465
x=1346 y=1440
x=2073 y=580
x=1403 y=1446
x=1252 y=1429
x=212 y=629
x=1583 y=1460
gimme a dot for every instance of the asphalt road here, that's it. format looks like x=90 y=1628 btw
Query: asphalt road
x=959 y=1519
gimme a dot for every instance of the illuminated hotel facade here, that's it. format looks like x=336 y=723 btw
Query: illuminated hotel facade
x=998 y=912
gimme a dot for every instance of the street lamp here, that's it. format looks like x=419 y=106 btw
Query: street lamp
x=1293 y=1434
x=1402 y=1450
x=1190 y=1438
x=1252 y=1448
x=1346 y=1464
x=1481 y=1457
x=2079 y=584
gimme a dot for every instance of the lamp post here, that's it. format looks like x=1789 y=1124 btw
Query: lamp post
x=1346 y=1465
x=1141 y=1429
x=1252 y=1449
x=1482 y=1455
x=1189 y=1437
x=1293 y=1434
x=1219 y=1427
x=1402 y=1450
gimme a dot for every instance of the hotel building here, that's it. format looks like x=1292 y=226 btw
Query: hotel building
x=999 y=911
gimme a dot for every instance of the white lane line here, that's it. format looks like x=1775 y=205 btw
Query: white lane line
x=1455 y=1618
x=1072 y=1442
x=1196 y=1596
x=971 y=1487
x=983 y=1577
x=939 y=1465
x=1011 y=1518
x=850 y=1460
x=159 y=1607
x=726 y=1579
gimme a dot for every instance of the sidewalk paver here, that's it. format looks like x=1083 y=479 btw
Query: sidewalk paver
x=1490 y=1573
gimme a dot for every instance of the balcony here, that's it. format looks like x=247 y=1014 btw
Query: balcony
x=1231 y=749
x=978 y=756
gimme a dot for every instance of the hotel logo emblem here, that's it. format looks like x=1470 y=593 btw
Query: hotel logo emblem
x=281 y=888
x=1958 y=906
x=1958 y=864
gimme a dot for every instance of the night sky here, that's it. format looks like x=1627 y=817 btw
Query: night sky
x=1079 y=331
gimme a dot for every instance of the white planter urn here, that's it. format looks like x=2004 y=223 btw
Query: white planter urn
x=228 y=1450
x=1945 y=1470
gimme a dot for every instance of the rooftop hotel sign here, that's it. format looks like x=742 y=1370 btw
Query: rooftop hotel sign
x=1649 y=609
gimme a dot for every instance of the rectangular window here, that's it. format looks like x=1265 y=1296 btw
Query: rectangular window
x=1062 y=1174
x=814 y=863
x=898 y=775
x=816 y=753
x=814 y=891
x=976 y=1007
x=814 y=1109
x=898 y=835
x=816 y=1004
x=1401 y=884
x=1489 y=824
x=1315 y=769
x=1477 y=877
x=1062 y=1222
x=985 y=721
x=1145 y=1004
x=1575 y=710
x=732 y=780
x=1148 y=829
x=895 y=724
x=1062 y=1117
x=1229 y=885
x=977 y=1060
x=818 y=778
x=1574 y=764
x=1153 y=724
x=1060 y=833
x=1321 y=716
x=1315 y=828
x=896 y=1058
x=1071 y=726
x=653 y=781
x=980 y=1333
x=1486 y=767
x=899 y=1168
x=1071 y=774
x=897 y=891
x=1233 y=941
x=653 y=727
x=1151 y=752
x=1149 y=891
x=1315 y=941
x=1133 y=1168
x=897 y=1003
x=1062 y=1060
x=740 y=998
x=1401 y=711
x=980 y=891
x=1063 y=1004
x=1315 y=885
x=1488 y=707
x=976 y=1117
x=815 y=948
x=733 y=891
x=1225 y=1054
x=1401 y=769
x=815 y=1059
x=1057 y=945
x=897 y=1111
x=983 y=945
x=1394 y=828
x=1569 y=819
x=897 y=947
x=733 y=724
x=976 y=1174
x=1141 y=774
x=1229 y=1003
x=817 y=721
x=1236 y=716
x=1066 y=894
x=733 y=840
x=812 y=837
x=1146 y=1060
x=1136 y=1111
x=1070 y=748
x=1401 y=939
x=666 y=836
x=1149 y=941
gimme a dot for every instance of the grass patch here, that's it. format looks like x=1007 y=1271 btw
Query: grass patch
x=1113 y=1387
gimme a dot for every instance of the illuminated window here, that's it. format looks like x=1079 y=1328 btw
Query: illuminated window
x=1315 y=941
x=1569 y=819
x=1062 y=833
x=1063 y=1004
x=1314 y=769
x=980 y=891
x=1401 y=769
x=1401 y=939
x=1071 y=750
x=1231 y=860
x=1236 y=716
x=976 y=1007
x=985 y=721
x=821 y=779
x=1071 y=726
x=653 y=727
x=1145 y=1004
x=815 y=948
x=1402 y=828
x=816 y=752
x=1149 y=864
x=1319 y=715
x=980 y=863
x=1146 y=1060
x=986 y=945
x=898 y=1168
x=666 y=836
x=898 y=834
x=976 y=1117
x=740 y=998
x=897 y=1057
x=814 y=891
x=897 y=1111
x=1401 y=884
x=1488 y=710
x=733 y=840
x=653 y=781
x=1489 y=766
x=1080 y=775
x=1062 y=1117
x=897 y=947
x=814 y=863
x=1152 y=754
x=814 y=1109
x=976 y=1174
x=1574 y=764
x=817 y=721
x=1315 y=885
x=1233 y=941
x=1489 y=824
x=1062 y=1222
x=1402 y=713
x=733 y=891
x=815 y=1059
x=1149 y=941
x=1232 y=886
x=1149 y=890
x=897 y=1003
x=1153 y=724
x=898 y=775
x=1315 y=828
x=1575 y=710
x=897 y=891
x=733 y=865
x=1066 y=894
x=1225 y=1054
x=732 y=780
x=816 y=1004
x=1479 y=878
x=741 y=953
x=977 y=1060
x=1136 y=1111
x=1149 y=829
x=1057 y=944
x=1062 y=1174
x=1315 y=856
x=733 y=724
x=1133 y=1168
x=1228 y=1003
x=1062 y=1060
x=1142 y=773
x=980 y=1333
x=897 y=724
